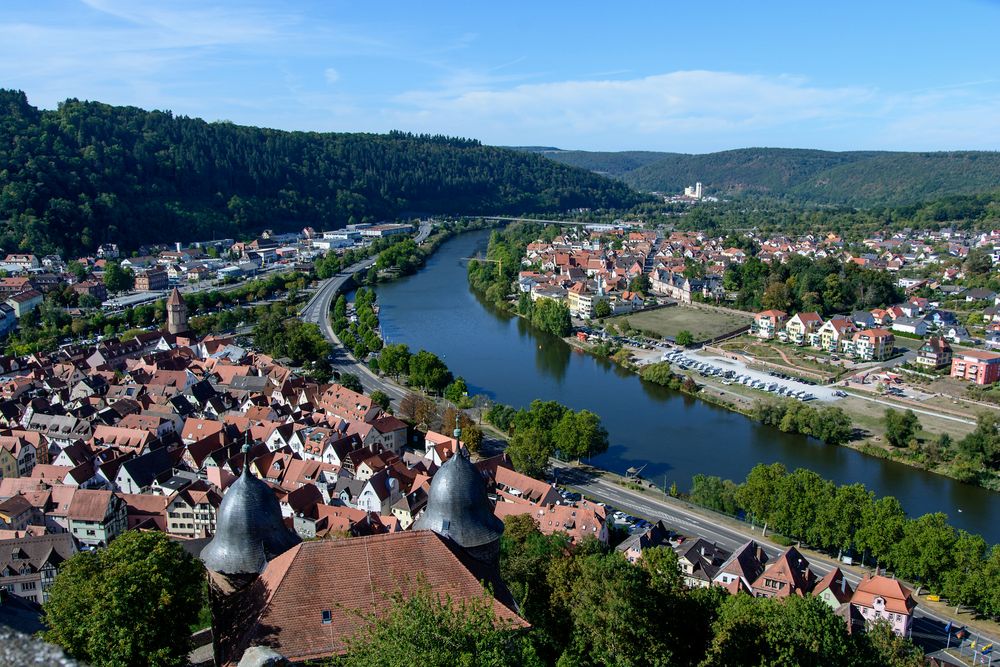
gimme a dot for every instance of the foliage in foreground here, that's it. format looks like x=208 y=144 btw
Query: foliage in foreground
x=129 y=604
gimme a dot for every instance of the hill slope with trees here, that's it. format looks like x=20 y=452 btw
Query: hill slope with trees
x=87 y=173
x=855 y=178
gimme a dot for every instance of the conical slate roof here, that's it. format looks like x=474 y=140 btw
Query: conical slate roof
x=175 y=298
x=458 y=507
x=249 y=530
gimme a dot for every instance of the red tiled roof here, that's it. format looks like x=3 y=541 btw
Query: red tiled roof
x=299 y=585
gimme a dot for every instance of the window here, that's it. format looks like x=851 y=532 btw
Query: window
x=327 y=617
x=28 y=586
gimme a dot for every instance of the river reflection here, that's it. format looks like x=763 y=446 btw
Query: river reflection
x=673 y=435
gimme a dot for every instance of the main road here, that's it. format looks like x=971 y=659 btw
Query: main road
x=927 y=628
x=317 y=311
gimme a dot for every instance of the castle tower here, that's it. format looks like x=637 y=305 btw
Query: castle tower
x=249 y=532
x=459 y=509
x=177 y=313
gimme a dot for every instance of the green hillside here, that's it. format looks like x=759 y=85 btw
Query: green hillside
x=856 y=178
x=615 y=164
x=88 y=173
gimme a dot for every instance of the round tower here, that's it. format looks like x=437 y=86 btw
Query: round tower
x=249 y=532
x=459 y=509
x=177 y=313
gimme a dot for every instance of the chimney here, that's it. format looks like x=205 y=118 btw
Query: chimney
x=843 y=584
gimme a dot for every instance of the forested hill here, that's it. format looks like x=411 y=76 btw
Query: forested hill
x=88 y=173
x=615 y=164
x=856 y=178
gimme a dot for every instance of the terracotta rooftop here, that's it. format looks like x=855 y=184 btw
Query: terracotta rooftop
x=301 y=584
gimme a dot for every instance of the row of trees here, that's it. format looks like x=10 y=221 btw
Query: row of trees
x=422 y=369
x=360 y=336
x=802 y=506
x=829 y=424
x=545 y=429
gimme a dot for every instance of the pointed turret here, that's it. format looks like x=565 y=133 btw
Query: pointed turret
x=249 y=529
x=459 y=509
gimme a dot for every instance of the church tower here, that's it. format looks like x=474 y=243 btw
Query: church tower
x=177 y=313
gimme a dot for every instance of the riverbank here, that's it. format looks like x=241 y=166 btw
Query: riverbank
x=867 y=418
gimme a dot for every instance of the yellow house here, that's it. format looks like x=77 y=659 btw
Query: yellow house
x=8 y=464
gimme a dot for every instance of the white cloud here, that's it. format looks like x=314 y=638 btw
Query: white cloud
x=331 y=75
x=661 y=111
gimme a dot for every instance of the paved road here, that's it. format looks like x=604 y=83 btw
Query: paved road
x=927 y=628
x=317 y=311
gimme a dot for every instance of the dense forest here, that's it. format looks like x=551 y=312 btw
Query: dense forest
x=87 y=173
x=854 y=178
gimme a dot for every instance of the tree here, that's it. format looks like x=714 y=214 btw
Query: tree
x=117 y=279
x=962 y=582
x=395 y=359
x=684 y=338
x=900 y=427
x=615 y=615
x=602 y=308
x=351 y=381
x=457 y=390
x=552 y=317
x=580 y=434
x=771 y=632
x=381 y=399
x=428 y=371
x=529 y=450
x=983 y=444
x=424 y=628
x=926 y=550
x=757 y=494
x=714 y=493
x=881 y=528
x=128 y=604
x=640 y=284
x=880 y=645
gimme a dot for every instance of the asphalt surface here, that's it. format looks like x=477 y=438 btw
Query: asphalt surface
x=927 y=628
x=317 y=311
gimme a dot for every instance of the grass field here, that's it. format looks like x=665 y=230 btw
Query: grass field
x=703 y=323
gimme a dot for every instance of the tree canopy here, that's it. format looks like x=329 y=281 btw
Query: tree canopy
x=128 y=604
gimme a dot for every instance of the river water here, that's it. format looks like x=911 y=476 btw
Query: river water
x=674 y=436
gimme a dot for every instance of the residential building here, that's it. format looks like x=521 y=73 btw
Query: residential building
x=699 y=562
x=801 y=325
x=910 y=325
x=96 y=517
x=834 y=589
x=834 y=332
x=152 y=280
x=880 y=598
x=873 y=344
x=935 y=353
x=976 y=366
x=29 y=564
x=25 y=302
x=767 y=323
x=742 y=568
x=789 y=574
x=657 y=535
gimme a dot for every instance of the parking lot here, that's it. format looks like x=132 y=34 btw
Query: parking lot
x=733 y=371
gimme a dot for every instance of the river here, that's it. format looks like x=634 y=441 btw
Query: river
x=673 y=435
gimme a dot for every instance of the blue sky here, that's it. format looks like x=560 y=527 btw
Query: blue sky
x=687 y=77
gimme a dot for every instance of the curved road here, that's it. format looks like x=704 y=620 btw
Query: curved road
x=317 y=311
